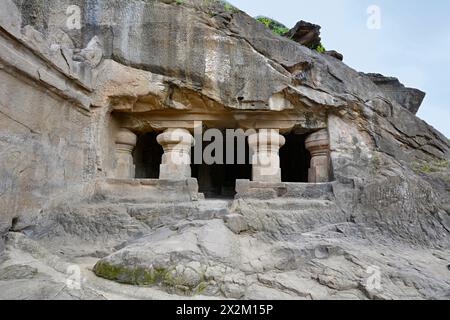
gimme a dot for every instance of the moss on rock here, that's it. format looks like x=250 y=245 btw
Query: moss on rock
x=140 y=276
x=130 y=275
x=430 y=167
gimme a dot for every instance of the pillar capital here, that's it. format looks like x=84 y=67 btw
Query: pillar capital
x=125 y=143
x=266 y=138
x=318 y=144
x=126 y=138
x=176 y=160
x=265 y=146
x=175 y=136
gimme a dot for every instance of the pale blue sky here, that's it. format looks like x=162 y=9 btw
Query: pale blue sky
x=413 y=43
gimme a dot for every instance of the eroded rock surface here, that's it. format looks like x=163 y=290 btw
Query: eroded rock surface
x=202 y=256
x=305 y=33
x=409 y=98
x=380 y=230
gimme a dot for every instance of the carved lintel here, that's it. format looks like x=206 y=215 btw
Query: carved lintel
x=281 y=125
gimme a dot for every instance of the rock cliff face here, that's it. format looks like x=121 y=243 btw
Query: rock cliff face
x=409 y=98
x=386 y=214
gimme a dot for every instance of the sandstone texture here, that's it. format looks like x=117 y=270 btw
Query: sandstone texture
x=409 y=98
x=306 y=34
x=379 y=229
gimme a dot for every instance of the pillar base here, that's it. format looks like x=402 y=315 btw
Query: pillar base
x=174 y=172
x=265 y=174
x=147 y=190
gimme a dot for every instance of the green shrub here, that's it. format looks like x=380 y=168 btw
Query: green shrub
x=430 y=167
x=320 y=48
x=228 y=6
x=281 y=29
x=273 y=25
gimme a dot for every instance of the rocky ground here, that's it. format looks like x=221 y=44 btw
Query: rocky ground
x=381 y=230
x=242 y=249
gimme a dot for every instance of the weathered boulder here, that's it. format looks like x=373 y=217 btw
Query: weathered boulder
x=335 y=54
x=308 y=35
x=409 y=98
x=305 y=33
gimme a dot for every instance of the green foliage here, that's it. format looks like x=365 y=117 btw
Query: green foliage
x=375 y=164
x=282 y=30
x=320 y=48
x=273 y=25
x=264 y=20
x=229 y=7
x=179 y=2
x=212 y=7
x=430 y=167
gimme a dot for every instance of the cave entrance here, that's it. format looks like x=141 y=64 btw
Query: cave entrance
x=219 y=180
x=295 y=159
x=147 y=156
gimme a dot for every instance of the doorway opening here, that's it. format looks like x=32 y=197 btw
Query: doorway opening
x=295 y=159
x=219 y=180
x=147 y=156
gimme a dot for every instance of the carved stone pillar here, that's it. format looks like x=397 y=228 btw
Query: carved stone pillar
x=125 y=143
x=265 y=147
x=318 y=144
x=176 y=161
